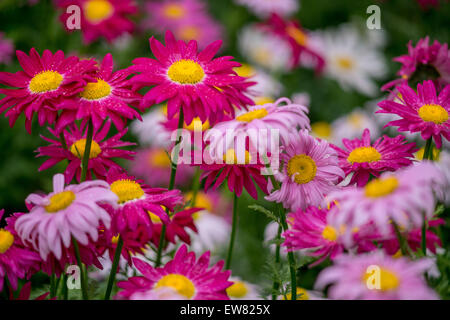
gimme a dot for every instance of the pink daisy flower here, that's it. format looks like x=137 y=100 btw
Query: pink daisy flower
x=309 y=230
x=103 y=150
x=153 y=166
x=423 y=62
x=363 y=158
x=136 y=201
x=72 y=211
x=282 y=115
x=16 y=260
x=106 y=97
x=297 y=38
x=45 y=82
x=101 y=18
x=6 y=49
x=204 y=88
x=424 y=111
x=189 y=277
x=310 y=171
x=376 y=276
x=404 y=196
x=201 y=28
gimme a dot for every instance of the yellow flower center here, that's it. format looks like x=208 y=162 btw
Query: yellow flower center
x=197 y=123
x=182 y=285
x=433 y=113
x=237 y=290
x=115 y=239
x=154 y=217
x=188 y=33
x=96 y=11
x=302 y=167
x=329 y=233
x=159 y=159
x=252 y=115
x=298 y=35
x=96 y=90
x=263 y=56
x=381 y=187
x=6 y=240
x=201 y=201
x=186 y=72
x=302 y=294
x=79 y=147
x=60 y=201
x=174 y=11
x=45 y=81
x=230 y=157
x=364 y=154
x=259 y=101
x=435 y=152
x=245 y=70
x=321 y=129
x=127 y=190
x=356 y=120
x=345 y=63
x=388 y=279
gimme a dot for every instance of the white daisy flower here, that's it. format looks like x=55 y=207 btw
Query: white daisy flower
x=213 y=231
x=150 y=131
x=243 y=290
x=352 y=125
x=266 y=85
x=263 y=8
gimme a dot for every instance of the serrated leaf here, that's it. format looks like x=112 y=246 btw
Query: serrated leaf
x=265 y=211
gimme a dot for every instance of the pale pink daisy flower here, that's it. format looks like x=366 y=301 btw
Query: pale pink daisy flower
x=72 y=211
x=264 y=8
x=405 y=197
x=191 y=278
x=310 y=171
x=376 y=276
x=6 y=49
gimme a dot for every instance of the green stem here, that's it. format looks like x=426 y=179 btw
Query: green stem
x=80 y=265
x=112 y=274
x=428 y=151
x=402 y=242
x=276 y=283
x=64 y=291
x=87 y=151
x=233 y=233
x=424 y=235
x=63 y=140
x=173 y=174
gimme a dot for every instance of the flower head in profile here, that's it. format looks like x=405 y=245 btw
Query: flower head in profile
x=424 y=61
x=194 y=82
x=44 y=83
x=404 y=197
x=103 y=150
x=107 y=97
x=68 y=211
x=365 y=159
x=376 y=276
x=101 y=18
x=425 y=111
x=309 y=230
x=191 y=279
x=16 y=260
x=310 y=171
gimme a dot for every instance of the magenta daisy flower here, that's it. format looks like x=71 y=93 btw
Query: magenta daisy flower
x=376 y=276
x=106 y=97
x=190 y=278
x=404 y=197
x=6 y=49
x=424 y=111
x=102 y=152
x=423 y=62
x=44 y=83
x=101 y=18
x=309 y=230
x=297 y=38
x=310 y=171
x=202 y=87
x=282 y=115
x=16 y=260
x=363 y=158
x=72 y=211
x=136 y=201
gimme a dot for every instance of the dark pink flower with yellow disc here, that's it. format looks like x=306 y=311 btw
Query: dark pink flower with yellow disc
x=193 y=81
x=365 y=159
x=188 y=277
x=108 y=96
x=137 y=201
x=100 y=18
x=16 y=260
x=44 y=83
x=425 y=111
x=103 y=151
